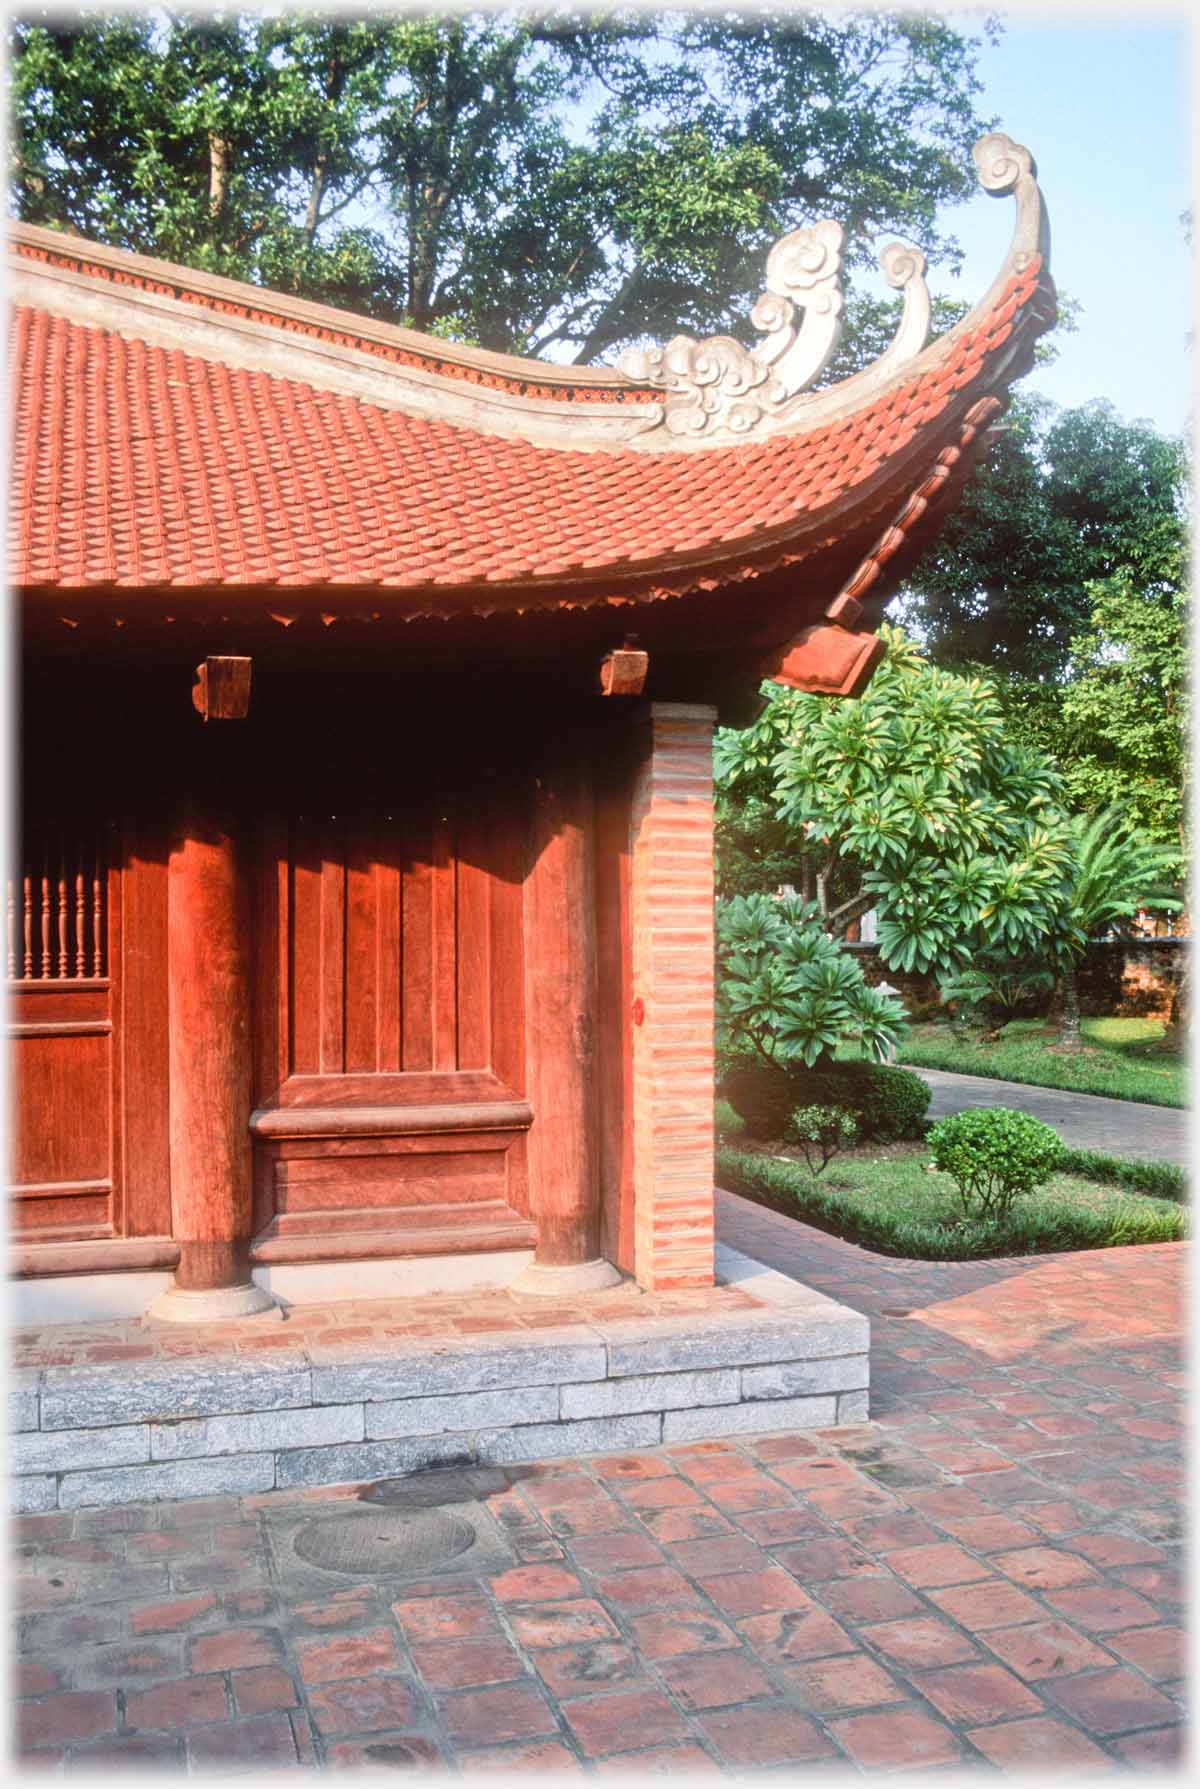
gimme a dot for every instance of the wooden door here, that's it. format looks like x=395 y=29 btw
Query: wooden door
x=391 y=1114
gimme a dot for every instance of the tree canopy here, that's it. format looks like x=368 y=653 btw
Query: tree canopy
x=915 y=799
x=1119 y=730
x=1067 y=499
x=538 y=181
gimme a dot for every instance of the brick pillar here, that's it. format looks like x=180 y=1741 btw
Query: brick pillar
x=672 y=924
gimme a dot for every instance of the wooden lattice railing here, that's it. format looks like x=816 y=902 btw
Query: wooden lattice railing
x=57 y=906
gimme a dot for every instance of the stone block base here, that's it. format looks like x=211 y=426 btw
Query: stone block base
x=778 y=1356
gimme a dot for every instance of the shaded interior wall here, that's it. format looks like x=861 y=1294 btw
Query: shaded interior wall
x=385 y=816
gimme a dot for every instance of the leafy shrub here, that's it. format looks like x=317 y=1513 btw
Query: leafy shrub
x=994 y=1156
x=761 y=1093
x=787 y=993
x=890 y=1102
x=995 y=989
x=822 y=1131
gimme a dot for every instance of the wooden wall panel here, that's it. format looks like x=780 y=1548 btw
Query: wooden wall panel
x=402 y=947
x=62 y=1121
x=65 y=1050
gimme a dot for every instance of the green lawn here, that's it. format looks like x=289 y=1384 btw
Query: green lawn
x=1123 y=1058
x=890 y=1200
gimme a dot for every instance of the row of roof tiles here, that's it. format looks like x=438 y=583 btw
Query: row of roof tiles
x=134 y=466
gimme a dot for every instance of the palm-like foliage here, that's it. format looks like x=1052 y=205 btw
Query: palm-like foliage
x=1117 y=872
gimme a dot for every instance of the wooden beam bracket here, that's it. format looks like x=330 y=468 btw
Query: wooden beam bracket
x=221 y=691
x=623 y=672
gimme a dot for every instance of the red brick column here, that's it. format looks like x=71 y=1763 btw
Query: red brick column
x=672 y=925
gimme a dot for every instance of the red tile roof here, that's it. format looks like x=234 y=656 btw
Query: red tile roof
x=135 y=467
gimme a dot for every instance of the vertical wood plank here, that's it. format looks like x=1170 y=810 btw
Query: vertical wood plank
x=388 y=967
x=445 y=909
x=269 y=880
x=140 y=1011
x=360 y=993
x=333 y=951
x=417 y=950
x=303 y=987
x=473 y=965
x=508 y=861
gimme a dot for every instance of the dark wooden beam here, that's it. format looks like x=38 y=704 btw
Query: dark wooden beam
x=222 y=689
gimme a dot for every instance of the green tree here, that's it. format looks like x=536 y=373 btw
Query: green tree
x=913 y=799
x=544 y=180
x=1119 y=730
x=1066 y=500
x=1116 y=872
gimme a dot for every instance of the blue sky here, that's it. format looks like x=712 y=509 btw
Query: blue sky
x=1102 y=102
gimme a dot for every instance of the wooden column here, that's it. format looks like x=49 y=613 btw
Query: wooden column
x=561 y=1029
x=210 y=1071
x=672 y=915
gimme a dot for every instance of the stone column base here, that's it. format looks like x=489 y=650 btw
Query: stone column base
x=558 y=1282
x=214 y=1304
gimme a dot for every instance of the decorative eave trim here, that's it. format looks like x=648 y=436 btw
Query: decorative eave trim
x=717 y=392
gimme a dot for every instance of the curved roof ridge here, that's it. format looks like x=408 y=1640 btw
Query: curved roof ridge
x=687 y=395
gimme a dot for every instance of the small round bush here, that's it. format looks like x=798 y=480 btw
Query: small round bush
x=821 y=1132
x=994 y=1156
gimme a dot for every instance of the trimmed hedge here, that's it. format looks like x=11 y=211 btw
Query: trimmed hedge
x=921 y=1225
x=891 y=1102
x=1161 y=1180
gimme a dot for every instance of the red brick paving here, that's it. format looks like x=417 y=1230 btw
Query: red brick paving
x=988 y=1572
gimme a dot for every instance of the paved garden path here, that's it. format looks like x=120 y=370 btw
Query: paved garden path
x=1082 y=1120
x=987 y=1571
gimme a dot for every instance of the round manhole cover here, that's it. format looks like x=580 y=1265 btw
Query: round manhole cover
x=385 y=1542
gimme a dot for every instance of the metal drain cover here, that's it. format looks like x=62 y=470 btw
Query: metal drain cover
x=385 y=1542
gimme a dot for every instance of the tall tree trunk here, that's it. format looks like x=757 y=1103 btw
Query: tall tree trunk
x=1179 y=1021
x=1070 y=1036
x=218 y=174
x=316 y=191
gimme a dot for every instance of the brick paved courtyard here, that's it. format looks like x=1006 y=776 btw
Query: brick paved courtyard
x=988 y=1571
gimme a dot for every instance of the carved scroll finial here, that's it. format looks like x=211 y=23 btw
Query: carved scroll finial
x=1006 y=167
x=904 y=268
x=718 y=388
x=720 y=385
x=1001 y=163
